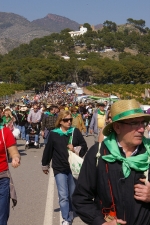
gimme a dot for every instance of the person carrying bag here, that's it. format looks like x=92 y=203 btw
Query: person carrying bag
x=7 y=190
x=58 y=148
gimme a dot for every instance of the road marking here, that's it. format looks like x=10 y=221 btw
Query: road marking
x=61 y=219
x=49 y=209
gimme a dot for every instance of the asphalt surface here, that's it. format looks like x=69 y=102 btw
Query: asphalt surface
x=36 y=192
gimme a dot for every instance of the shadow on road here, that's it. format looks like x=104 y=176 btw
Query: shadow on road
x=18 y=145
x=22 y=152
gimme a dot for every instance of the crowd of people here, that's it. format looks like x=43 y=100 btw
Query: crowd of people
x=113 y=185
x=34 y=115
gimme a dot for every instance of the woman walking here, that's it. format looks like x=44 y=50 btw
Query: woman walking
x=8 y=118
x=57 y=149
x=7 y=191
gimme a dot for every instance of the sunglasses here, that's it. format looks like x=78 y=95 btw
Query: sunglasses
x=67 y=120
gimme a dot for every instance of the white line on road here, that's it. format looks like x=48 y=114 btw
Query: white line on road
x=61 y=219
x=48 y=218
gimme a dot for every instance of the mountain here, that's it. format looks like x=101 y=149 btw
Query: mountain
x=15 y=29
x=55 y=23
x=98 y=26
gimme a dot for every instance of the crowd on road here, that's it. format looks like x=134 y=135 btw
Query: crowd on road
x=37 y=114
x=118 y=161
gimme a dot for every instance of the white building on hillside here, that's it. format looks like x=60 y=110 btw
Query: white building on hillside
x=80 y=32
x=66 y=57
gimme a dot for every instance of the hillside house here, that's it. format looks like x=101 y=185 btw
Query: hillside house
x=65 y=57
x=80 y=32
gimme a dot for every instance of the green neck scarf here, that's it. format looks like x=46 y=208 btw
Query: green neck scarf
x=74 y=115
x=6 y=120
x=1 y=126
x=51 y=114
x=138 y=163
x=61 y=133
x=100 y=112
x=48 y=113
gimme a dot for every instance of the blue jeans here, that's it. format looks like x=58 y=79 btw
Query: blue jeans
x=36 y=139
x=65 y=186
x=46 y=139
x=22 y=131
x=87 y=130
x=4 y=200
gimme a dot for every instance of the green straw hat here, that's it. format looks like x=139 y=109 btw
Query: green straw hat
x=122 y=110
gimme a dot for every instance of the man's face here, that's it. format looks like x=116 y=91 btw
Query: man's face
x=35 y=108
x=53 y=110
x=56 y=110
x=101 y=108
x=130 y=131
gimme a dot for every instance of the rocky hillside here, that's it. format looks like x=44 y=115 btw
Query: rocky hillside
x=98 y=26
x=55 y=23
x=15 y=29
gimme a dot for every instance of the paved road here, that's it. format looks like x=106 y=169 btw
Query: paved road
x=37 y=193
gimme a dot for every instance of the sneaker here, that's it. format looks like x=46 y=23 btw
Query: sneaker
x=65 y=222
x=27 y=143
x=71 y=215
x=35 y=143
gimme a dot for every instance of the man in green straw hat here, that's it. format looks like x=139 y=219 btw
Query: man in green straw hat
x=114 y=183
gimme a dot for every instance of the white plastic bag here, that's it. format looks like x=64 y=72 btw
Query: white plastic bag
x=75 y=162
x=16 y=132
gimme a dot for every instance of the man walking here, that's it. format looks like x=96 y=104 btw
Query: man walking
x=48 y=123
x=33 y=119
x=98 y=121
x=113 y=186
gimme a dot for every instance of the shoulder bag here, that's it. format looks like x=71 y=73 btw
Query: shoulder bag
x=75 y=161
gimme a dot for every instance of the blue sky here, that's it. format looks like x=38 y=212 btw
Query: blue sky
x=81 y=11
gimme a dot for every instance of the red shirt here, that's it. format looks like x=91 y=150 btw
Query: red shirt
x=9 y=141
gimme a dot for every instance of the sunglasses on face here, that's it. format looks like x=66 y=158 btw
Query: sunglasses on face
x=67 y=120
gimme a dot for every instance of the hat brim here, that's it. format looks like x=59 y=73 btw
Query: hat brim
x=23 y=109
x=6 y=109
x=108 y=129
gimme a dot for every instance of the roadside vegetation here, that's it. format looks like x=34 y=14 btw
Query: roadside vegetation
x=9 y=89
x=123 y=91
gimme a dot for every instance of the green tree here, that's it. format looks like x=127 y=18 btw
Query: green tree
x=110 y=25
x=88 y=26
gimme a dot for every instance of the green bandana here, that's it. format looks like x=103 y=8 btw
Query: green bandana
x=48 y=113
x=1 y=126
x=74 y=115
x=60 y=132
x=6 y=120
x=139 y=162
x=51 y=114
x=100 y=112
